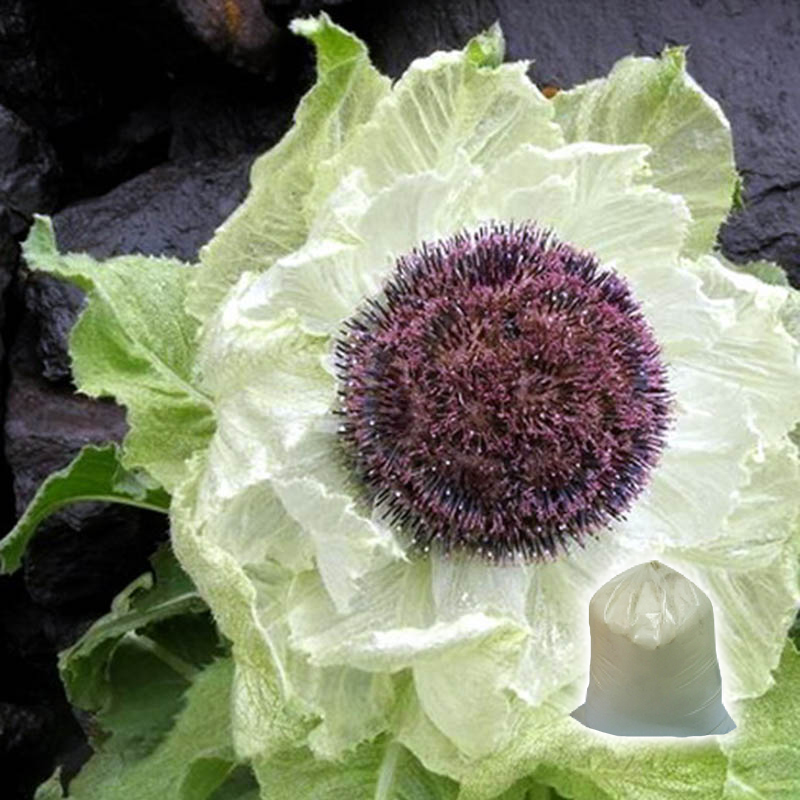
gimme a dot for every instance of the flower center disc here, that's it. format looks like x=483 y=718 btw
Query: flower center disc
x=503 y=396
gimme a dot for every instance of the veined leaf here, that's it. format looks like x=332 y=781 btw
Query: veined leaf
x=656 y=102
x=94 y=474
x=764 y=752
x=380 y=770
x=192 y=762
x=136 y=621
x=273 y=221
x=152 y=673
x=135 y=342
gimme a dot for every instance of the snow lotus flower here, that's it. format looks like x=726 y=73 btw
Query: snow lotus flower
x=447 y=614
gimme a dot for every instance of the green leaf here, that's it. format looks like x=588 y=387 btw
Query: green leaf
x=528 y=789
x=764 y=753
x=202 y=776
x=161 y=703
x=128 y=655
x=192 y=762
x=135 y=342
x=51 y=788
x=94 y=474
x=273 y=220
x=584 y=765
x=657 y=772
x=161 y=724
x=380 y=770
x=764 y=270
x=794 y=631
x=655 y=102
x=487 y=49
x=240 y=784
x=447 y=106
x=737 y=203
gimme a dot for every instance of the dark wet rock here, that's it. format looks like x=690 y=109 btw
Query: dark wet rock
x=28 y=171
x=28 y=183
x=55 y=305
x=25 y=652
x=85 y=554
x=37 y=728
x=25 y=742
x=116 y=90
x=238 y=118
x=83 y=75
x=8 y=263
x=8 y=253
x=239 y=30
x=47 y=424
x=79 y=561
x=99 y=81
x=65 y=61
x=171 y=210
x=100 y=153
x=768 y=227
x=302 y=6
x=9 y=256
x=31 y=80
x=284 y=11
x=82 y=556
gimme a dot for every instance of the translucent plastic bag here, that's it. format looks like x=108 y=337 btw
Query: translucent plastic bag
x=654 y=669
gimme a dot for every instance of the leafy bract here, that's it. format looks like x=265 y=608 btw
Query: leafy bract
x=51 y=788
x=132 y=667
x=274 y=220
x=152 y=674
x=279 y=700
x=443 y=105
x=760 y=759
x=192 y=762
x=94 y=474
x=591 y=196
x=380 y=770
x=655 y=102
x=764 y=752
x=135 y=342
x=325 y=611
x=764 y=270
x=584 y=765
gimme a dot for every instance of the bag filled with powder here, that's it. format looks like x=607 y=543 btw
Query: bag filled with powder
x=654 y=669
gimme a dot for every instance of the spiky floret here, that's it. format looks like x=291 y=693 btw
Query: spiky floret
x=502 y=396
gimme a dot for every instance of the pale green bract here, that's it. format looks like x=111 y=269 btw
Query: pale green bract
x=343 y=647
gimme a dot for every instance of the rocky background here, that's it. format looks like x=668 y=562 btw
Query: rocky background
x=134 y=123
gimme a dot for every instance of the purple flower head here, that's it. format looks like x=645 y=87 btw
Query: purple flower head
x=502 y=396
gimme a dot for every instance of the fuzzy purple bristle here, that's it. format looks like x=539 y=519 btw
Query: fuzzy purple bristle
x=502 y=396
